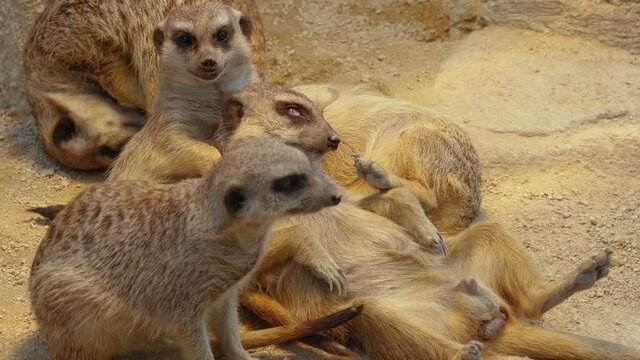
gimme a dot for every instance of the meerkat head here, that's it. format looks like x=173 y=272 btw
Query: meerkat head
x=260 y=179
x=480 y=306
x=208 y=43
x=90 y=141
x=266 y=109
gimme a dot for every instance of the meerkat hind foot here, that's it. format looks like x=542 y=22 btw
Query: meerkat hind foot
x=592 y=270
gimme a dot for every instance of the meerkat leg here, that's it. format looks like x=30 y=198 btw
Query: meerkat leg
x=520 y=339
x=398 y=203
x=224 y=319
x=195 y=342
x=120 y=81
x=307 y=252
x=583 y=277
x=386 y=333
x=487 y=251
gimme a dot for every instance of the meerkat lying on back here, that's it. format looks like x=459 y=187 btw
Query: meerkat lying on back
x=421 y=151
x=84 y=82
x=130 y=261
x=204 y=52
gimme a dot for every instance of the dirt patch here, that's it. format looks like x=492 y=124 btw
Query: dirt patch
x=566 y=194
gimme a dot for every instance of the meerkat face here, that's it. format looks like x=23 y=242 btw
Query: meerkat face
x=262 y=178
x=86 y=143
x=208 y=43
x=266 y=109
x=481 y=306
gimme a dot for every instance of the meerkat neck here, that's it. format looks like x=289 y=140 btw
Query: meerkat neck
x=188 y=100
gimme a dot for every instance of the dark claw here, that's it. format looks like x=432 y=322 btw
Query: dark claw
x=443 y=246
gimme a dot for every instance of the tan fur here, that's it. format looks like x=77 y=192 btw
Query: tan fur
x=110 y=274
x=422 y=152
x=419 y=304
x=88 y=65
x=173 y=145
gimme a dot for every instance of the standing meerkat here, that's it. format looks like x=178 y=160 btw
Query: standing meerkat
x=173 y=146
x=89 y=65
x=204 y=53
x=110 y=274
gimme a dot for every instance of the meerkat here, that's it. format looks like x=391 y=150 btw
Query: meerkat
x=110 y=273
x=423 y=152
x=172 y=146
x=204 y=53
x=420 y=304
x=91 y=72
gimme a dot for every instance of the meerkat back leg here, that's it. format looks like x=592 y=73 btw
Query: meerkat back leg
x=583 y=277
x=223 y=317
x=520 y=339
x=389 y=334
x=398 y=203
x=487 y=251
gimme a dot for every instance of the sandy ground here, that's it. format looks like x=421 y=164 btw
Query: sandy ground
x=555 y=120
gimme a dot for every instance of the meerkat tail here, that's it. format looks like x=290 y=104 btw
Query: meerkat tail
x=521 y=339
x=270 y=310
x=49 y=212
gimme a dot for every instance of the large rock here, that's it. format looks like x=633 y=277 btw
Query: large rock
x=16 y=17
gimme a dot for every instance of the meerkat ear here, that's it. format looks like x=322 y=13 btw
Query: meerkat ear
x=245 y=23
x=469 y=286
x=234 y=200
x=158 y=37
x=233 y=110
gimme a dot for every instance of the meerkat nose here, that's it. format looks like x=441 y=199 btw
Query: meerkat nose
x=333 y=141
x=335 y=199
x=208 y=65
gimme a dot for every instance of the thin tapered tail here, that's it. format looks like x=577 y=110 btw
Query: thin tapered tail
x=49 y=212
x=281 y=334
x=521 y=339
x=271 y=311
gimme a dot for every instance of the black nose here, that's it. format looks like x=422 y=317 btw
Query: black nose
x=333 y=141
x=208 y=65
x=335 y=199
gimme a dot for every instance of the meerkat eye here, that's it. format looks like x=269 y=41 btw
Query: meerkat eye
x=222 y=35
x=289 y=184
x=186 y=40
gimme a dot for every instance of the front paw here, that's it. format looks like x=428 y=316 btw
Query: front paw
x=470 y=351
x=429 y=237
x=375 y=175
x=329 y=272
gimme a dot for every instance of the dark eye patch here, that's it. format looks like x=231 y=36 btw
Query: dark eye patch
x=65 y=130
x=292 y=110
x=184 y=39
x=223 y=34
x=109 y=151
x=234 y=200
x=289 y=184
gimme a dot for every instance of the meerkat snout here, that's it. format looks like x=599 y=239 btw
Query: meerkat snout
x=333 y=141
x=215 y=50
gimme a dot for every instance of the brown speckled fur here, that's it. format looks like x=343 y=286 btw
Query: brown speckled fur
x=174 y=144
x=89 y=64
x=128 y=263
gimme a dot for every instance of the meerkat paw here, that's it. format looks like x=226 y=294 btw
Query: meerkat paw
x=591 y=270
x=471 y=351
x=375 y=175
x=430 y=238
x=332 y=274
